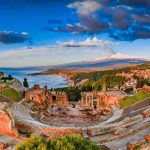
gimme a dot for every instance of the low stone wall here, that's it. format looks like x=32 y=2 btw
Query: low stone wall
x=134 y=109
x=50 y=131
x=56 y=132
x=137 y=106
x=146 y=88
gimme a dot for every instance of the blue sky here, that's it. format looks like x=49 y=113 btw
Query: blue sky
x=49 y=32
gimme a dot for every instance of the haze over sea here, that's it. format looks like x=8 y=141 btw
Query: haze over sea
x=50 y=80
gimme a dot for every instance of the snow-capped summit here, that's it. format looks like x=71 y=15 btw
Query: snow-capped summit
x=108 y=61
x=119 y=56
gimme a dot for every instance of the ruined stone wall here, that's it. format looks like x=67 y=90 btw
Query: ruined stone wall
x=113 y=100
x=36 y=94
x=7 y=126
x=86 y=101
x=101 y=100
x=61 y=99
x=38 y=99
x=146 y=88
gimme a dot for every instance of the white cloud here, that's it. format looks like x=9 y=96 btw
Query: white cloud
x=85 y=7
x=25 y=33
x=55 y=54
x=88 y=43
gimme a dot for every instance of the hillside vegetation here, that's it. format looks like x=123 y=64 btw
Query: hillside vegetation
x=143 y=66
x=130 y=100
x=94 y=76
x=96 y=79
x=73 y=142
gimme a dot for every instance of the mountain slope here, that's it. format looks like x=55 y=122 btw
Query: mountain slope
x=114 y=60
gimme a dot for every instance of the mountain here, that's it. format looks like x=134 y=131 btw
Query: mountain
x=120 y=56
x=110 y=61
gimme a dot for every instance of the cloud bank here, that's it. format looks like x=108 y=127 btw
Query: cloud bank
x=124 y=20
x=89 y=42
x=64 y=52
x=10 y=37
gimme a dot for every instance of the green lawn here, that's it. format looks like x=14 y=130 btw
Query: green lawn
x=130 y=100
x=11 y=94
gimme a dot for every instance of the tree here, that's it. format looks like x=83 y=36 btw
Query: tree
x=73 y=142
x=141 y=81
x=129 y=90
x=73 y=93
x=10 y=77
x=25 y=83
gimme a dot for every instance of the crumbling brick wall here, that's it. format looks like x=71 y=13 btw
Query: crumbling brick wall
x=7 y=126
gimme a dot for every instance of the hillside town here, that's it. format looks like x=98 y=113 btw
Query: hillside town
x=112 y=117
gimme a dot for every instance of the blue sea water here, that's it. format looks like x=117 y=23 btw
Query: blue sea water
x=49 y=80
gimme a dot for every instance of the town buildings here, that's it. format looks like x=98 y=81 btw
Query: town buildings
x=142 y=73
x=139 y=73
x=132 y=80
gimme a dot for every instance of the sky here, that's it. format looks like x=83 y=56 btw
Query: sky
x=51 y=32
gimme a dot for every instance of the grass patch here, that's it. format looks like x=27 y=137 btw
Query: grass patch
x=130 y=100
x=11 y=94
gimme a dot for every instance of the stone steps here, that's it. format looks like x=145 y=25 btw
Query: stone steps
x=124 y=135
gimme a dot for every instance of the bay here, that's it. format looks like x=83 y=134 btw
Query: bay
x=50 y=80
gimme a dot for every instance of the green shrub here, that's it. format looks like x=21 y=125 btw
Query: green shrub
x=128 y=90
x=73 y=142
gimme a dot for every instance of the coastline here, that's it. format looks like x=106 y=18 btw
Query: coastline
x=70 y=82
x=67 y=74
x=52 y=81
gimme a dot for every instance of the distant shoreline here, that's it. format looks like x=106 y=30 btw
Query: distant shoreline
x=52 y=81
x=70 y=82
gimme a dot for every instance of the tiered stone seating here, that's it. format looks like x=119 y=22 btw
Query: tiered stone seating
x=4 y=99
x=122 y=131
x=109 y=128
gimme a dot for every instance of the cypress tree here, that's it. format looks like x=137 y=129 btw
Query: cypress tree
x=25 y=83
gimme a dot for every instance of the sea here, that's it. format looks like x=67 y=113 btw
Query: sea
x=51 y=81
